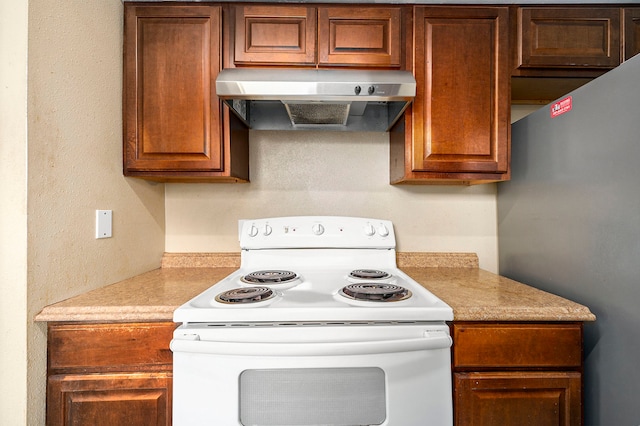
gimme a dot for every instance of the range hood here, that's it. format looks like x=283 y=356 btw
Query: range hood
x=312 y=99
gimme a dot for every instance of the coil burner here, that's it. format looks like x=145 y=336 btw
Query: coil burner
x=245 y=295
x=374 y=292
x=369 y=274
x=269 y=277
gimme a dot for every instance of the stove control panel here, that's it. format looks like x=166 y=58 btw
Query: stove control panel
x=316 y=232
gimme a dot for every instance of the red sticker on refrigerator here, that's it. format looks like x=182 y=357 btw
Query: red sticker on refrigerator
x=560 y=107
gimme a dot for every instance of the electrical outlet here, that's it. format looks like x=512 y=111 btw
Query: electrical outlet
x=104 y=220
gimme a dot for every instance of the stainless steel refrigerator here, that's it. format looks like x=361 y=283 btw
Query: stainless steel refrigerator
x=569 y=223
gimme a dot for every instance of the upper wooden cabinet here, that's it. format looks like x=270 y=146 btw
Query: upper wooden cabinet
x=458 y=131
x=360 y=36
x=556 y=37
x=174 y=124
x=317 y=36
x=631 y=32
x=557 y=49
x=275 y=35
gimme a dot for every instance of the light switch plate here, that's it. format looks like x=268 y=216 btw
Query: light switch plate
x=104 y=219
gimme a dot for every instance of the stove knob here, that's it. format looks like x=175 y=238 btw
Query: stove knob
x=317 y=229
x=253 y=231
x=369 y=230
x=266 y=230
x=383 y=231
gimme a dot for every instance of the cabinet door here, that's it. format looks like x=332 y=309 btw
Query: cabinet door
x=631 y=32
x=275 y=35
x=575 y=38
x=518 y=399
x=364 y=36
x=173 y=122
x=461 y=112
x=134 y=399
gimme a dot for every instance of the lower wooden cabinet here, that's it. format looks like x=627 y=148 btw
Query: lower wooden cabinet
x=109 y=374
x=507 y=374
x=517 y=374
x=132 y=399
x=518 y=398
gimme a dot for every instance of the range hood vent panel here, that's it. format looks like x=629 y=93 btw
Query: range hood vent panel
x=317 y=113
x=299 y=99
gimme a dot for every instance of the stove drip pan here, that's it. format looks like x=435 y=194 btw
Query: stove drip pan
x=245 y=295
x=369 y=274
x=375 y=292
x=269 y=277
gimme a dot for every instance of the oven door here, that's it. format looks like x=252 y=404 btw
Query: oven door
x=306 y=374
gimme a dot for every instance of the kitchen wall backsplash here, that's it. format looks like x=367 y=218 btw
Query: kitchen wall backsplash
x=347 y=174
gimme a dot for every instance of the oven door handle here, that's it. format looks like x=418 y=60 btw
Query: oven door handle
x=431 y=341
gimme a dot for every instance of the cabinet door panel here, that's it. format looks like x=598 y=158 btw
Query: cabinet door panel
x=275 y=35
x=518 y=399
x=631 y=32
x=461 y=114
x=569 y=37
x=363 y=36
x=109 y=400
x=172 y=119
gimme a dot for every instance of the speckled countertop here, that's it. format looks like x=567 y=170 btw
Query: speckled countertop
x=474 y=294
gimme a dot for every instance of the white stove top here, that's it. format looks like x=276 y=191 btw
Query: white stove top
x=320 y=252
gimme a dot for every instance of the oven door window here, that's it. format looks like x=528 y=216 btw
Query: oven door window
x=313 y=396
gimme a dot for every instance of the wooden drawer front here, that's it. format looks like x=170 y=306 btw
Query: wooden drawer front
x=523 y=399
x=569 y=38
x=482 y=346
x=363 y=36
x=109 y=347
x=275 y=35
x=631 y=32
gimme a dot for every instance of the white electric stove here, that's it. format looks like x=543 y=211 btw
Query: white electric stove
x=318 y=317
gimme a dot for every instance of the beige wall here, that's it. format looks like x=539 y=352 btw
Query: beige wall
x=13 y=212
x=317 y=173
x=63 y=160
x=314 y=173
